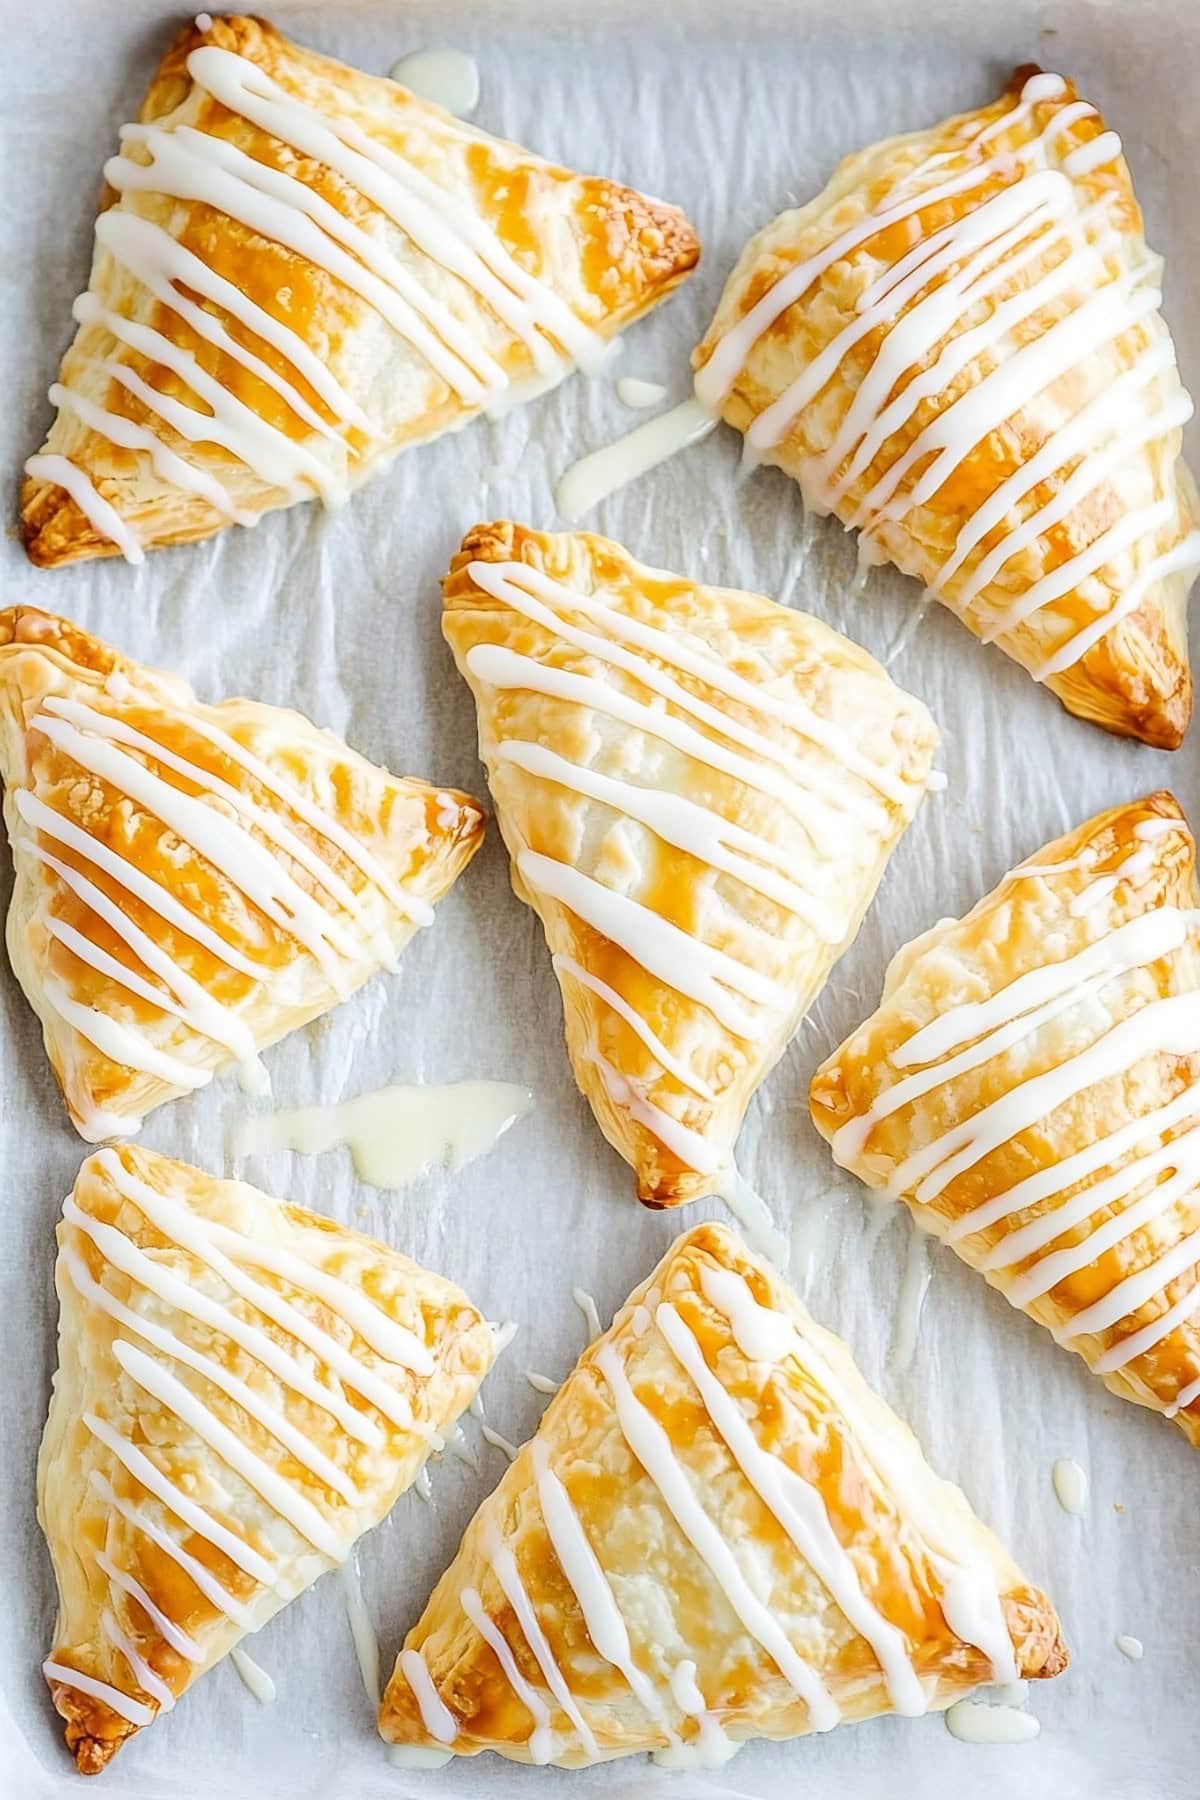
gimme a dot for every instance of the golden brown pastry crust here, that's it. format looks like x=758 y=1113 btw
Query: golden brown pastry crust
x=364 y=855
x=778 y=807
x=1134 y=679
x=125 y=1283
x=606 y=251
x=1137 y=932
x=821 y=1432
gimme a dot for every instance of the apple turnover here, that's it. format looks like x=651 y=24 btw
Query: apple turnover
x=243 y=1389
x=1029 y=1085
x=300 y=270
x=192 y=881
x=957 y=348
x=699 y=790
x=718 y=1533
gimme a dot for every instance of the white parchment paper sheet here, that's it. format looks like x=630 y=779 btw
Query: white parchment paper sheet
x=734 y=112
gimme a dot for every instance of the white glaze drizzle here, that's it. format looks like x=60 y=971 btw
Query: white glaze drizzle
x=594 y=477
x=253 y=1676
x=230 y=839
x=543 y=1744
x=146 y=1678
x=148 y=1271
x=209 y=1241
x=267 y=1416
x=536 y=595
x=588 y=1582
x=396 y=1133
x=1130 y=1647
x=366 y=1644
x=566 y=965
x=798 y=1507
x=753 y=1215
x=651 y=1446
x=135 y=1711
x=194 y=166
x=447 y=78
x=925 y=295
x=695 y=1150
x=974 y=1723
x=104 y=519
x=304 y=1518
x=1070 y=1485
x=970 y=1602
x=1170 y=1024
x=637 y=394
x=436 y=1716
x=203 y=1578
x=708 y=976
x=541 y=1384
x=498 y=1442
x=713 y=1748
x=587 y=1306
x=151 y=1477
x=504 y=1568
x=167 y=1629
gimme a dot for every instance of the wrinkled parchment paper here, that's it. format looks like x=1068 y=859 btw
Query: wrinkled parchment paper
x=733 y=112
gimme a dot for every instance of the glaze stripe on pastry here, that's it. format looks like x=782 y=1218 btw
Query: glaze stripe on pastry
x=243 y=1389
x=303 y=269
x=718 y=1533
x=698 y=789
x=1028 y=1086
x=193 y=880
x=998 y=408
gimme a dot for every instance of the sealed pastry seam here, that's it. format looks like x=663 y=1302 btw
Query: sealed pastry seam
x=699 y=790
x=958 y=349
x=299 y=271
x=1028 y=1085
x=193 y=881
x=243 y=1388
x=718 y=1533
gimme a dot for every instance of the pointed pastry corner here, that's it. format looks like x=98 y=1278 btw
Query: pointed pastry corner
x=54 y=530
x=649 y=246
x=495 y=541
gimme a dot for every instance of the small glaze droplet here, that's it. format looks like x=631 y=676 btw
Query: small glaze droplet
x=450 y=78
x=1070 y=1486
x=638 y=394
x=972 y=1723
x=587 y=1307
x=1131 y=1647
x=254 y=1677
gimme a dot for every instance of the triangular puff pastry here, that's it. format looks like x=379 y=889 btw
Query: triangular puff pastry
x=958 y=348
x=1030 y=1085
x=300 y=270
x=243 y=1389
x=699 y=790
x=718 y=1533
x=193 y=882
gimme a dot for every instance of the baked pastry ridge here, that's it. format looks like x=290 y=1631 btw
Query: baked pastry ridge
x=1029 y=1086
x=958 y=349
x=699 y=790
x=718 y=1533
x=301 y=269
x=193 y=881
x=243 y=1389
